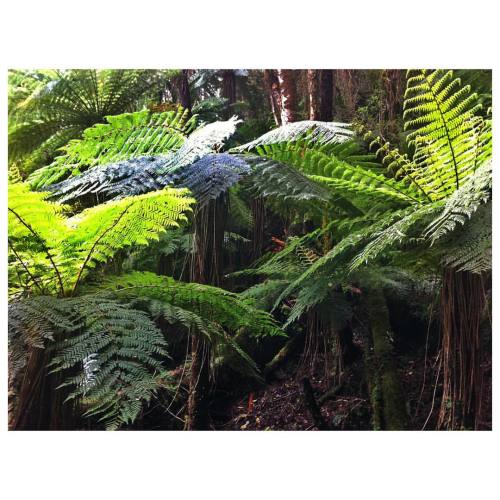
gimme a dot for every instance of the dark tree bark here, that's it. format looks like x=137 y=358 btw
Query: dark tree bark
x=181 y=83
x=288 y=90
x=312 y=405
x=326 y=90
x=229 y=89
x=273 y=89
x=258 y=208
x=206 y=268
x=313 y=90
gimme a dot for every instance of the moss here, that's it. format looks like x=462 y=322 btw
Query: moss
x=388 y=402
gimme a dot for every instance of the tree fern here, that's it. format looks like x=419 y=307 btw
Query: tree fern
x=64 y=103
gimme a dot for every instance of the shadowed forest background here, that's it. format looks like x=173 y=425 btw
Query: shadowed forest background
x=250 y=249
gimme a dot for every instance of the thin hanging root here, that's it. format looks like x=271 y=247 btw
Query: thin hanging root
x=462 y=305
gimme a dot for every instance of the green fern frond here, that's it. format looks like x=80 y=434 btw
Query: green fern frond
x=471 y=249
x=463 y=203
x=230 y=310
x=362 y=186
x=119 y=354
x=56 y=252
x=99 y=232
x=440 y=116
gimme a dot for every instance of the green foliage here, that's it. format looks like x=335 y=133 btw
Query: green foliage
x=446 y=179
x=124 y=136
x=55 y=253
x=313 y=131
x=350 y=176
x=463 y=203
x=117 y=353
x=230 y=310
x=444 y=130
x=471 y=250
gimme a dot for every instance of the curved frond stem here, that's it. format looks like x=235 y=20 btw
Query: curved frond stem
x=44 y=246
x=28 y=272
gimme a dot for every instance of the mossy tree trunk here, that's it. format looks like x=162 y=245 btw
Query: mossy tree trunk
x=386 y=394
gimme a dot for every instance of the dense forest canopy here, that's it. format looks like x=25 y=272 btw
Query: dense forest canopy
x=250 y=249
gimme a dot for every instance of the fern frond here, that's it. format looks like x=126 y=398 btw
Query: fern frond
x=121 y=353
x=129 y=135
x=313 y=131
x=34 y=324
x=363 y=186
x=99 y=232
x=36 y=228
x=405 y=231
x=440 y=116
x=54 y=252
x=141 y=175
x=463 y=203
x=271 y=178
x=471 y=249
x=228 y=309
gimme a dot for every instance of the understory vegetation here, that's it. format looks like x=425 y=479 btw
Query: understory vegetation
x=244 y=249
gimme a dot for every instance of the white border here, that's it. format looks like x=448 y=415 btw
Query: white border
x=253 y=34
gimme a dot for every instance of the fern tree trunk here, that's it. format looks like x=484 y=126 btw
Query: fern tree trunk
x=272 y=85
x=35 y=401
x=462 y=305
x=206 y=268
x=326 y=91
x=386 y=394
x=313 y=90
x=288 y=90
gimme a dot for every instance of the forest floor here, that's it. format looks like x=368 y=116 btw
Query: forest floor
x=281 y=405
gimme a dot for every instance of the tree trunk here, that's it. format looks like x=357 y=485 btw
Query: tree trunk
x=313 y=90
x=394 y=83
x=273 y=89
x=206 y=268
x=462 y=305
x=326 y=90
x=182 y=87
x=229 y=89
x=288 y=90
x=348 y=85
x=388 y=402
